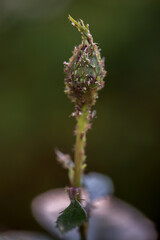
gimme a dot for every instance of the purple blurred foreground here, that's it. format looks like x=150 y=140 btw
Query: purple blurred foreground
x=111 y=218
x=23 y=235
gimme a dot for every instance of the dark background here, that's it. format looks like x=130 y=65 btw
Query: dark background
x=35 y=38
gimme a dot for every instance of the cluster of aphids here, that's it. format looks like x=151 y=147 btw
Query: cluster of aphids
x=84 y=72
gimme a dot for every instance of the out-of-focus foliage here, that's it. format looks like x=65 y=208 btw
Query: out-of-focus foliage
x=98 y=185
x=23 y=235
x=35 y=39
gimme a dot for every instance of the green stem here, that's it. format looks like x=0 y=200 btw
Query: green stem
x=79 y=156
x=83 y=231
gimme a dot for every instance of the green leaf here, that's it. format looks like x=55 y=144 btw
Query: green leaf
x=74 y=215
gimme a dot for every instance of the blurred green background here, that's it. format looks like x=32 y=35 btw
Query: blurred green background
x=35 y=38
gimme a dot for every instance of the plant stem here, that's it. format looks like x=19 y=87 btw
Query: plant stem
x=79 y=157
x=83 y=231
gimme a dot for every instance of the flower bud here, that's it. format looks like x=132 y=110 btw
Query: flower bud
x=84 y=71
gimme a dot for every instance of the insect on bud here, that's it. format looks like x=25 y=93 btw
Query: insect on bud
x=84 y=71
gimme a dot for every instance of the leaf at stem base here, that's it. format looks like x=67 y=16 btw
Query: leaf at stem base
x=73 y=216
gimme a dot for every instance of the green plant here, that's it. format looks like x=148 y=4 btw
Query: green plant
x=89 y=206
x=84 y=78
